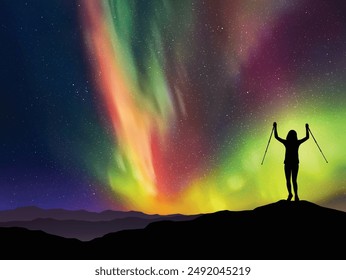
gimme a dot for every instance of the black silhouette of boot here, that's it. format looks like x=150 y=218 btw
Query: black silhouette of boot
x=289 y=198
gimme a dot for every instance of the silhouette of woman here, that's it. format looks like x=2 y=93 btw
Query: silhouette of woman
x=291 y=158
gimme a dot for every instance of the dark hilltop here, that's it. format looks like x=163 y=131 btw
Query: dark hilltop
x=281 y=230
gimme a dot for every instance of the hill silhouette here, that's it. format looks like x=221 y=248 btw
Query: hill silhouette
x=32 y=213
x=281 y=230
x=88 y=230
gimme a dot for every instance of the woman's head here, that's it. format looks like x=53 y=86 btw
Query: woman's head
x=292 y=136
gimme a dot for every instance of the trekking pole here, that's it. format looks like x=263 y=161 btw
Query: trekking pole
x=267 y=145
x=318 y=145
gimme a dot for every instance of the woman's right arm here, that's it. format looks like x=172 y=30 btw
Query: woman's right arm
x=307 y=134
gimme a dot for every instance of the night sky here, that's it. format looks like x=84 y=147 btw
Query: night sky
x=167 y=106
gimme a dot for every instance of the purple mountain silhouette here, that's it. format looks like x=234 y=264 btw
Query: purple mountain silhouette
x=32 y=213
x=80 y=224
x=282 y=230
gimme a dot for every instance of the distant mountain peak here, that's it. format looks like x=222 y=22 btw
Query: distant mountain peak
x=279 y=230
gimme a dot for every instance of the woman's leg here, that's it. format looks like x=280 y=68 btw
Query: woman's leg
x=288 y=172
x=295 y=169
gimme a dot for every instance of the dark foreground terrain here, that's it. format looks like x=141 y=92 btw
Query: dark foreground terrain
x=282 y=230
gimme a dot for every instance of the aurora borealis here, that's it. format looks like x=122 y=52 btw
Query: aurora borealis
x=167 y=106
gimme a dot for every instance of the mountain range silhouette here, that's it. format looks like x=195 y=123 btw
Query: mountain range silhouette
x=281 y=230
x=80 y=224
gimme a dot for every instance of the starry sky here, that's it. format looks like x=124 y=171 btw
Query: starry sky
x=167 y=106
